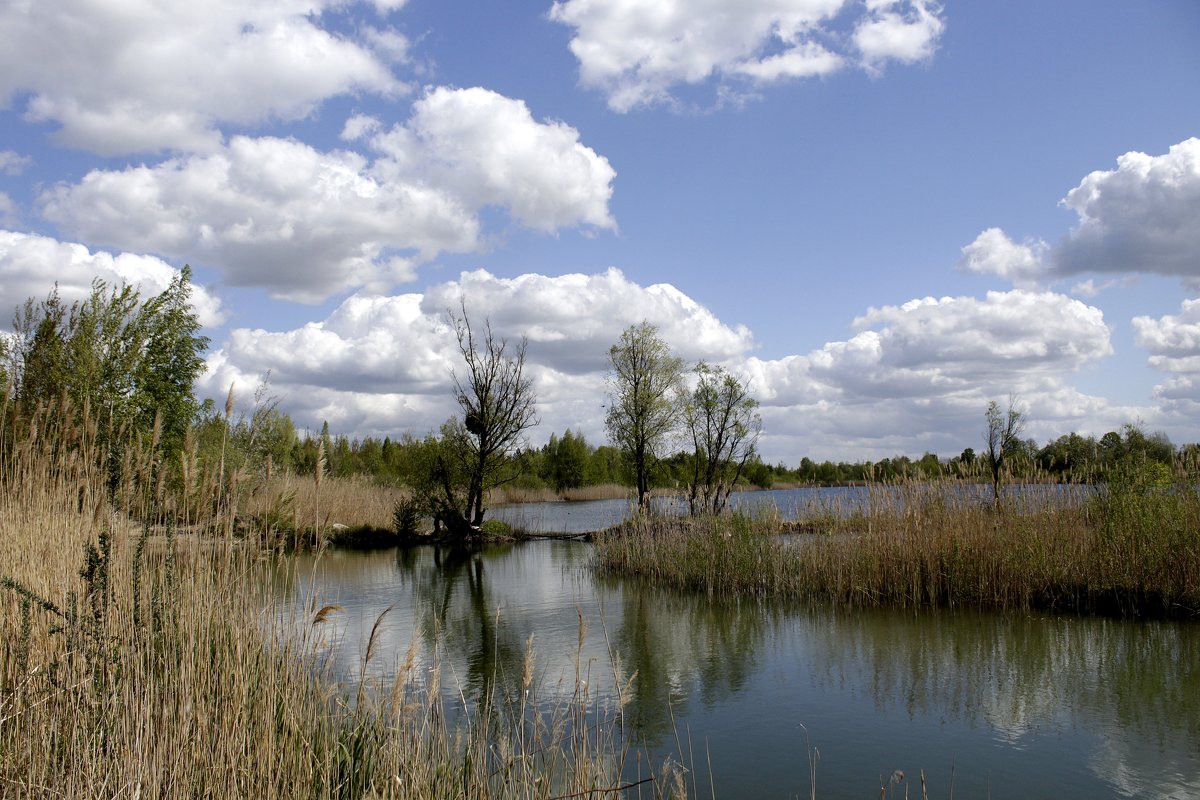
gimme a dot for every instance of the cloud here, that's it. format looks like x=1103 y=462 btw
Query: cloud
x=993 y=252
x=1174 y=345
x=487 y=149
x=895 y=31
x=638 y=52
x=1142 y=217
x=917 y=376
x=395 y=354
x=13 y=163
x=31 y=266
x=134 y=77
x=1174 y=341
x=914 y=376
x=573 y=320
x=1019 y=339
x=307 y=224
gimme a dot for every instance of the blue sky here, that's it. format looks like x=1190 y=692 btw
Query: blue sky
x=882 y=214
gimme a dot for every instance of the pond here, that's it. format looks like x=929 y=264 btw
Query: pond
x=987 y=705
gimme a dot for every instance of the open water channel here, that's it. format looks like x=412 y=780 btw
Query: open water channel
x=988 y=705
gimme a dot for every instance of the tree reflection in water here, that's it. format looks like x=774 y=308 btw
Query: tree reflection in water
x=457 y=613
x=1097 y=705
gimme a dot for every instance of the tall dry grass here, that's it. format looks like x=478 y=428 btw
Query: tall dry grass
x=1132 y=548
x=137 y=661
x=296 y=502
x=511 y=494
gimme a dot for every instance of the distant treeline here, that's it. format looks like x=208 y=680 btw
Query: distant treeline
x=125 y=366
x=569 y=460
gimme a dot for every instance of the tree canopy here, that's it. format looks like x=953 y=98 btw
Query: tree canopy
x=645 y=392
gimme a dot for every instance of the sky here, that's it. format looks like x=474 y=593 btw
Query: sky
x=882 y=214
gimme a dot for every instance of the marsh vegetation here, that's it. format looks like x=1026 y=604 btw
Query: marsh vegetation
x=142 y=655
x=1131 y=547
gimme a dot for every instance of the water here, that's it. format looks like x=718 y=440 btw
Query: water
x=995 y=705
x=593 y=515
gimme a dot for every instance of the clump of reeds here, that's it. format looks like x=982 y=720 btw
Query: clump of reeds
x=1132 y=548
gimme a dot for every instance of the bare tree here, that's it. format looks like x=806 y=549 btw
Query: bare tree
x=497 y=402
x=645 y=388
x=723 y=421
x=1003 y=438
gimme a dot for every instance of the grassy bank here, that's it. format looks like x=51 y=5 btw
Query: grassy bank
x=1132 y=548
x=137 y=661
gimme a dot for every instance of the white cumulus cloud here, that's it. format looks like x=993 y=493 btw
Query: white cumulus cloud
x=918 y=375
x=306 y=224
x=1173 y=342
x=128 y=76
x=1142 y=217
x=487 y=149
x=574 y=319
x=638 y=51
x=31 y=266
x=993 y=252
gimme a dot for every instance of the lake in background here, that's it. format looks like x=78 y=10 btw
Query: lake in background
x=586 y=516
x=997 y=705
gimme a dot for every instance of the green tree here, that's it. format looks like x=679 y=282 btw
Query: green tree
x=567 y=461
x=172 y=359
x=723 y=422
x=39 y=350
x=645 y=393
x=129 y=363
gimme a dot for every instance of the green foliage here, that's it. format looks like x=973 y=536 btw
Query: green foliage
x=1148 y=529
x=129 y=363
x=407 y=518
x=565 y=461
x=645 y=400
x=723 y=423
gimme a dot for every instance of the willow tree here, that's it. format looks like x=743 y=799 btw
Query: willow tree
x=131 y=362
x=723 y=422
x=645 y=400
x=477 y=451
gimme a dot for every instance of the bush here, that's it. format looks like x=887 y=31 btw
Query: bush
x=408 y=518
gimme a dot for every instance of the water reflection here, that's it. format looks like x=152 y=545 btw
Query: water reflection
x=1006 y=705
x=681 y=645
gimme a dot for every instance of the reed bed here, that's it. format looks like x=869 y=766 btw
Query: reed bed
x=1130 y=549
x=139 y=662
x=297 y=502
x=606 y=491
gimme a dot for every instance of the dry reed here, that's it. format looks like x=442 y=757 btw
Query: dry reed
x=160 y=669
x=1130 y=550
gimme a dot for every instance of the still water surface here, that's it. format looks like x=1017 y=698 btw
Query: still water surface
x=997 y=705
